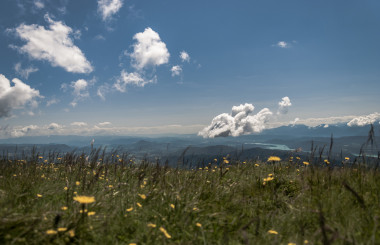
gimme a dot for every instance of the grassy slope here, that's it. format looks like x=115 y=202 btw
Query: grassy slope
x=322 y=205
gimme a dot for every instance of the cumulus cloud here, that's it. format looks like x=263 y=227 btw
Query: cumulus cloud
x=17 y=96
x=52 y=102
x=54 y=45
x=21 y=131
x=148 y=50
x=184 y=56
x=54 y=126
x=24 y=72
x=133 y=78
x=282 y=44
x=294 y=122
x=176 y=71
x=240 y=121
x=107 y=8
x=79 y=124
x=39 y=4
x=283 y=105
x=80 y=89
x=102 y=124
x=364 y=120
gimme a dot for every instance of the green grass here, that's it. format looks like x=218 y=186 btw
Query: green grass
x=228 y=205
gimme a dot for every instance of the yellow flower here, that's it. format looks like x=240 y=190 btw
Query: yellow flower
x=152 y=225
x=138 y=204
x=306 y=242
x=110 y=186
x=84 y=199
x=91 y=213
x=292 y=243
x=256 y=165
x=226 y=161
x=66 y=188
x=142 y=196
x=198 y=224
x=195 y=209
x=64 y=208
x=129 y=209
x=39 y=195
x=133 y=243
x=346 y=158
x=75 y=192
x=274 y=159
x=273 y=232
x=270 y=175
x=71 y=233
x=40 y=157
x=215 y=160
x=172 y=206
x=306 y=163
x=77 y=183
x=162 y=229
x=51 y=232
x=62 y=229
x=298 y=158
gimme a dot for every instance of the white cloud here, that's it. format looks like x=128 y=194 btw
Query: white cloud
x=102 y=90
x=282 y=44
x=52 y=102
x=20 y=131
x=24 y=72
x=364 y=120
x=79 y=124
x=39 y=4
x=54 y=126
x=80 y=90
x=184 y=56
x=54 y=45
x=148 y=50
x=241 y=121
x=294 y=122
x=102 y=124
x=133 y=78
x=17 y=96
x=176 y=71
x=283 y=105
x=107 y=8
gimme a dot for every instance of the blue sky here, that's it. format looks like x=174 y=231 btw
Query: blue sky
x=114 y=66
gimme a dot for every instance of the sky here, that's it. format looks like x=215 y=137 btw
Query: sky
x=217 y=68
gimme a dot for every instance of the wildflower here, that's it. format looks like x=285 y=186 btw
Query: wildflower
x=39 y=195
x=298 y=158
x=75 y=192
x=198 y=224
x=71 y=233
x=256 y=165
x=162 y=229
x=142 y=196
x=81 y=211
x=133 y=243
x=306 y=242
x=274 y=159
x=62 y=229
x=91 y=213
x=306 y=163
x=195 y=209
x=40 y=157
x=65 y=188
x=84 y=199
x=292 y=243
x=273 y=232
x=346 y=158
x=138 y=204
x=226 y=161
x=77 y=183
x=151 y=225
x=270 y=175
x=172 y=206
x=51 y=232
x=110 y=186
x=215 y=160
x=64 y=208
x=129 y=209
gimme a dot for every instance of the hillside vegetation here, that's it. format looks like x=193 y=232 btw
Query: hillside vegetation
x=79 y=199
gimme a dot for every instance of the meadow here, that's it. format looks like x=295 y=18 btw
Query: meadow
x=114 y=199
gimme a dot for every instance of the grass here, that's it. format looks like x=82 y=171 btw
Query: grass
x=281 y=202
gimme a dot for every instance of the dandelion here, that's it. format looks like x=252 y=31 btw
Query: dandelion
x=138 y=204
x=65 y=188
x=172 y=206
x=51 y=232
x=273 y=232
x=71 y=233
x=143 y=196
x=226 y=161
x=40 y=157
x=162 y=229
x=198 y=224
x=91 y=213
x=110 y=186
x=256 y=165
x=77 y=183
x=129 y=209
x=274 y=159
x=292 y=243
x=75 y=193
x=39 y=195
x=64 y=208
x=133 y=243
x=151 y=225
x=346 y=158
x=306 y=163
x=84 y=199
x=62 y=229
x=306 y=242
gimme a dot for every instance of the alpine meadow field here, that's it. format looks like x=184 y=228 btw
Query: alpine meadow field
x=74 y=198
